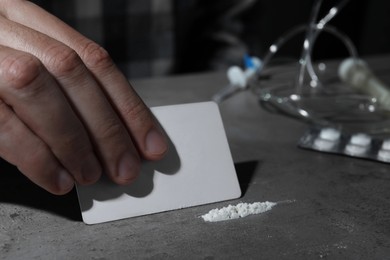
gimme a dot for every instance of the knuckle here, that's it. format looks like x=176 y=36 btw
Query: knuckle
x=111 y=129
x=62 y=60
x=20 y=71
x=95 y=56
x=135 y=110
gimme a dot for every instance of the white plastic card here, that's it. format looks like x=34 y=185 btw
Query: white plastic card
x=198 y=169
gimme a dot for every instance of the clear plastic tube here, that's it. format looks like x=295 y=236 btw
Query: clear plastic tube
x=312 y=32
x=326 y=103
x=313 y=29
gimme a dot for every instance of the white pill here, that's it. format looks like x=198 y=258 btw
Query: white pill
x=386 y=145
x=324 y=145
x=384 y=155
x=355 y=150
x=360 y=139
x=330 y=134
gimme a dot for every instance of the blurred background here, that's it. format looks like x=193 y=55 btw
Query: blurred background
x=149 y=38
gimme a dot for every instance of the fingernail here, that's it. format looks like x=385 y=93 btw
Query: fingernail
x=156 y=143
x=91 y=170
x=129 y=167
x=65 y=181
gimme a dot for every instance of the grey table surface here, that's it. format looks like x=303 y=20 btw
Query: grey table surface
x=339 y=209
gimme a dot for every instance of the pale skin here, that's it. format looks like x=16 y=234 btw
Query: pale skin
x=67 y=114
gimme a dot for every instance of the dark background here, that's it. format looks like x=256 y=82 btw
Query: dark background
x=196 y=23
x=366 y=22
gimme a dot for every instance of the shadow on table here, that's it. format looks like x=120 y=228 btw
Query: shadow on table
x=245 y=172
x=16 y=189
x=143 y=186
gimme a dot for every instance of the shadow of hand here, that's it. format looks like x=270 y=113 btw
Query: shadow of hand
x=105 y=189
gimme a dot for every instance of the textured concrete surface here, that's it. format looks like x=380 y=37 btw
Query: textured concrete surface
x=334 y=207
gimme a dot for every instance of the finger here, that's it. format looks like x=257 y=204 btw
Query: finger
x=19 y=146
x=144 y=128
x=109 y=136
x=33 y=94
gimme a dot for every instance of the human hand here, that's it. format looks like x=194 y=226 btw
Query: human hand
x=66 y=112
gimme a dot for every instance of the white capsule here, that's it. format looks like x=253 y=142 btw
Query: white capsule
x=384 y=155
x=355 y=150
x=360 y=139
x=324 y=145
x=386 y=145
x=330 y=134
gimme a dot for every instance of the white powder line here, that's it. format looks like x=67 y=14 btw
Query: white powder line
x=240 y=210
